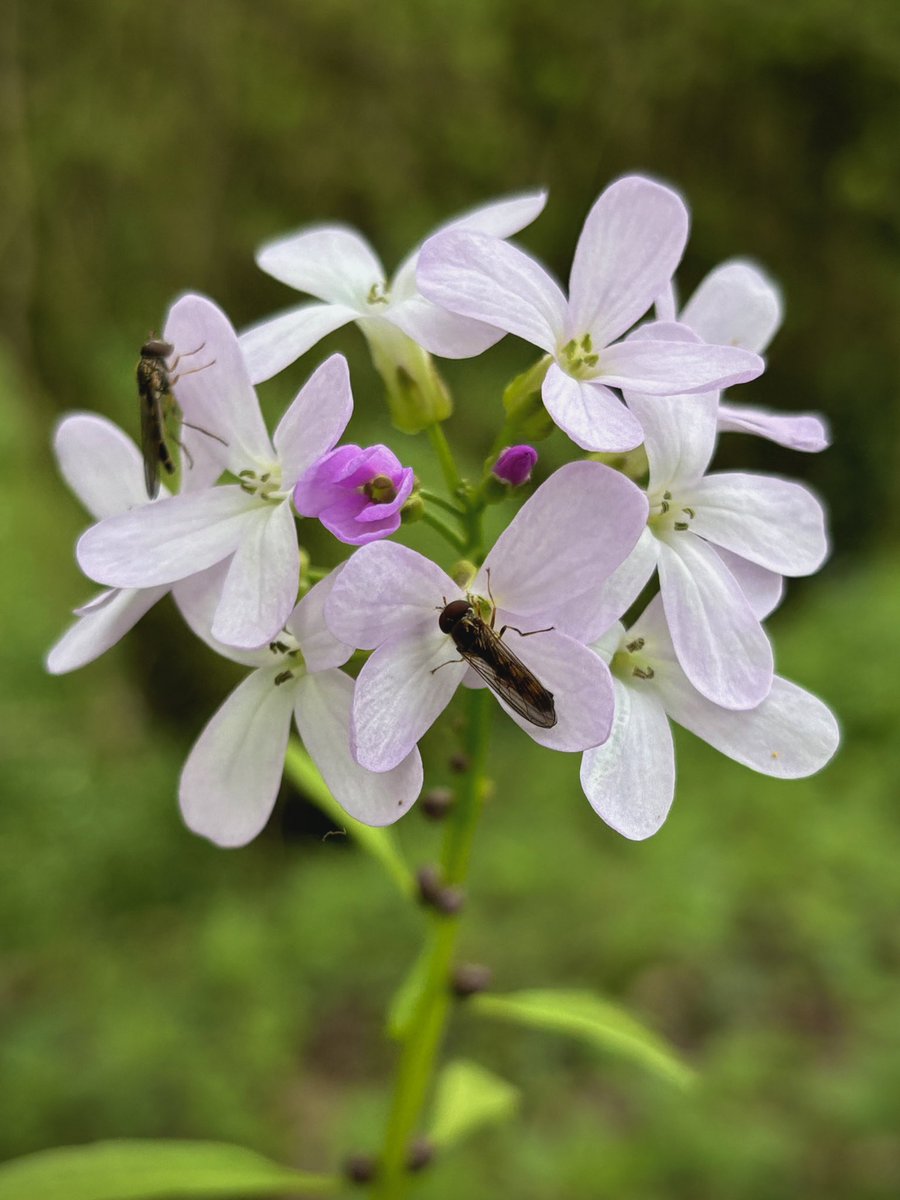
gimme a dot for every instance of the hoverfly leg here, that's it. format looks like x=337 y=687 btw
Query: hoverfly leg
x=173 y=379
x=521 y=633
x=186 y=354
x=199 y=429
x=446 y=664
x=491 y=598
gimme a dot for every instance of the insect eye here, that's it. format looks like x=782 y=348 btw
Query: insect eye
x=452 y=613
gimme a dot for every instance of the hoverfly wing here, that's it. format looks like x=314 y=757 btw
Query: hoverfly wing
x=151 y=438
x=508 y=677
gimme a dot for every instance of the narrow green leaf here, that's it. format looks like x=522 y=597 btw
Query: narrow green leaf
x=380 y=843
x=405 y=999
x=588 y=1017
x=469 y=1096
x=154 y=1170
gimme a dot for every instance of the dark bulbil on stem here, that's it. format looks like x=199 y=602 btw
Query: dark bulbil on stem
x=436 y=894
x=468 y=979
x=437 y=802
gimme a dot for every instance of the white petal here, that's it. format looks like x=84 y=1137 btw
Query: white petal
x=671 y=368
x=790 y=735
x=218 y=398
x=797 y=431
x=332 y=262
x=613 y=599
x=581 y=685
x=441 y=332
x=321 y=649
x=631 y=243
x=168 y=540
x=315 y=420
x=272 y=345
x=666 y=303
x=679 y=435
x=400 y=692
x=197 y=598
x=96 y=630
x=719 y=641
x=735 y=305
x=488 y=280
x=100 y=463
x=764 y=589
x=322 y=709
x=630 y=780
x=230 y=781
x=589 y=413
x=260 y=589
x=776 y=523
x=386 y=589
x=534 y=569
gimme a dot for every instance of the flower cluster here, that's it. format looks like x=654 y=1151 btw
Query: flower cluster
x=546 y=618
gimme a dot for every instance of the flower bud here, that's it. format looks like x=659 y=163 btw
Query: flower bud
x=437 y=802
x=515 y=464
x=413 y=509
x=421 y=1152
x=525 y=412
x=470 y=978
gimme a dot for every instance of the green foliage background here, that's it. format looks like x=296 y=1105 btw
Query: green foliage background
x=153 y=985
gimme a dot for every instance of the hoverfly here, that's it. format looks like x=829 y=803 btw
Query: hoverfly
x=504 y=673
x=158 y=405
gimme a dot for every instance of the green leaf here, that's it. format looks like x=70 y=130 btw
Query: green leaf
x=405 y=999
x=154 y=1170
x=469 y=1096
x=588 y=1017
x=380 y=843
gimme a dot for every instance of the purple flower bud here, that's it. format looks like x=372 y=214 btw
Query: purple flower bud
x=357 y=494
x=515 y=464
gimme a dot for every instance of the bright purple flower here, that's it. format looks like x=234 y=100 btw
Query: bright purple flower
x=357 y=494
x=232 y=775
x=629 y=247
x=737 y=305
x=249 y=522
x=630 y=779
x=515 y=464
x=556 y=553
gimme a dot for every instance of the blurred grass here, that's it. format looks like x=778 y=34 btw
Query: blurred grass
x=153 y=985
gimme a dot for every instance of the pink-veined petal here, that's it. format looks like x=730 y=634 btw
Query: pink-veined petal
x=719 y=641
x=274 y=344
x=441 y=332
x=322 y=709
x=260 y=589
x=631 y=243
x=332 y=262
x=315 y=420
x=197 y=598
x=400 y=693
x=630 y=779
x=679 y=435
x=489 y=280
x=612 y=600
x=321 y=649
x=735 y=305
x=589 y=413
x=797 y=431
x=774 y=522
x=96 y=630
x=666 y=303
x=100 y=463
x=159 y=543
x=670 y=368
x=213 y=387
x=791 y=734
x=385 y=590
x=764 y=589
x=231 y=778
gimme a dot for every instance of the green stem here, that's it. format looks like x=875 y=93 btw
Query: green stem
x=425 y=1034
x=446 y=505
x=455 y=539
x=442 y=449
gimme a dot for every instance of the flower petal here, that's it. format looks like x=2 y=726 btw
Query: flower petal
x=735 y=305
x=96 y=630
x=272 y=345
x=159 y=543
x=400 y=692
x=612 y=600
x=797 y=431
x=790 y=735
x=322 y=709
x=719 y=642
x=488 y=280
x=670 y=368
x=197 y=598
x=533 y=569
x=764 y=589
x=260 y=589
x=230 y=781
x=774 y=522
x=679 y=435
x=100 y=463
x=589 y=413
x=631 y=243
x=441 y=332
x=315 y=420
x=630 y=780
x=332 y=262
x=385 y=590
x=321 y=649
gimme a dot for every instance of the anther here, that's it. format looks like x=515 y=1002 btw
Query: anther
x=637 y=644
x=643 y=672
x=283 y=677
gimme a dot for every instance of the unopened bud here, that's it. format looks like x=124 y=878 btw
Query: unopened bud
x=463 y=572
x=515 y=464
x=434 y=893
x=360 y=1168
x=470 y=978
x=437 y=802
x=421 y=1152
x=459 y=763
x=413 y=509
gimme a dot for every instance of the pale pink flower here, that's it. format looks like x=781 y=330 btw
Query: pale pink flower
x=557 y=551
x=629 y=247
x=231 y=778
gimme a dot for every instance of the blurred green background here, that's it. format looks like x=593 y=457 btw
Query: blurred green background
x=152 y=985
